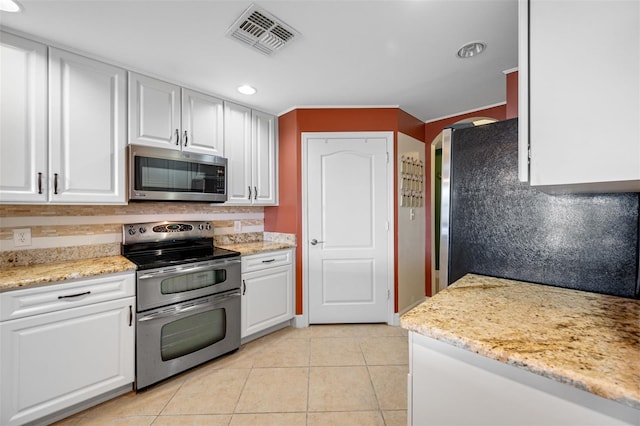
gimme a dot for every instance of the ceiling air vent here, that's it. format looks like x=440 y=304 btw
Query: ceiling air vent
x=261 y=30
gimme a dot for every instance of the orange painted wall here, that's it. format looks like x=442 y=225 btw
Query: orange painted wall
x=512 y=95
x=287 y=216
x=434 y=128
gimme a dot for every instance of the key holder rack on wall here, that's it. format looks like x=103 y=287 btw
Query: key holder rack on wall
x=411 y=181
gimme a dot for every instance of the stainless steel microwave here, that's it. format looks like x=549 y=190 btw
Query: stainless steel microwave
x=161 y=174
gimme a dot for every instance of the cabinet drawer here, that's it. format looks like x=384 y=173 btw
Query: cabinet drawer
x=65 y=295
x=256 y=262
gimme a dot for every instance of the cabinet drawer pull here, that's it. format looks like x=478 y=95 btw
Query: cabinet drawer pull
x=177 y=137
x=186 y=138
x=130 y=315
x=268 y=261
x=55 y=183
x=249 y=188
x=244 y=287
x=39 y=183
x=74 y=295
x=255 y=192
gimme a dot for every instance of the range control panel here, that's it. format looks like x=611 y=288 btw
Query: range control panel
x=160 y=231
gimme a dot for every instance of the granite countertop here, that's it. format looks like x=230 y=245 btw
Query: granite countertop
x=256 y=247
x=588 y=340
x=26 y=276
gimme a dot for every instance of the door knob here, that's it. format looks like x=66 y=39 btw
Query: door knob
x=314 y=242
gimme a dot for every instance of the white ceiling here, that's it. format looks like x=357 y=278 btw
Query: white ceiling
x=350 y=53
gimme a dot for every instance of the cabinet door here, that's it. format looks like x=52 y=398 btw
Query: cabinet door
x=264 y=158
x=23 y=113
x=584 y=94
x=87 y=132
x=267 y=298
x=52 y=361
x=237 y=136
x=154 y=112
x=202 y=123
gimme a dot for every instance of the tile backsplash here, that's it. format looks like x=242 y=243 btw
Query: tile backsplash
x=66 y=232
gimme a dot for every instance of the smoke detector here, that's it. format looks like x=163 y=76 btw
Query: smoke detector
x=262 y=31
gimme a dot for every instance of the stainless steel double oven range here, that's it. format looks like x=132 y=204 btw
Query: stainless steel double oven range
x=188 y=297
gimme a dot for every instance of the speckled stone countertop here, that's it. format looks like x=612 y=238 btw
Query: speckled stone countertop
x=588 y=340
x=256 y=247
x=25 y=276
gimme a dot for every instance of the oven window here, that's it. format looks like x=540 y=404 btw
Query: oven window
x=158 y=174
x=193 y=281
x=186 y=335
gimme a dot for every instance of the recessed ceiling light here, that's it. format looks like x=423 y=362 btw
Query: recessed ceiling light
x=245 y=89
x=471 y=49
x=9 y=6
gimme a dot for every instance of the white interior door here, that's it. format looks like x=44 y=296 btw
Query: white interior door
x=347 y=227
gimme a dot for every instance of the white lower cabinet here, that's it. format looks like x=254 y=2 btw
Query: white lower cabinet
x=448 y=385
x=77 y=350
x=267 y=290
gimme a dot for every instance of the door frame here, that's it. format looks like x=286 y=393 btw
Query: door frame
x=303 y=320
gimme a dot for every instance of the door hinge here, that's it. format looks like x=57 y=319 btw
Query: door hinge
x=388 y=294
x=386 y=225
x=387 y=157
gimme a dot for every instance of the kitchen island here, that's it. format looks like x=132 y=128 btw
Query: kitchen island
x=510 y=351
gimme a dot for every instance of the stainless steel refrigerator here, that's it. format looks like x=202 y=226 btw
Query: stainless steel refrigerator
x=492 y=224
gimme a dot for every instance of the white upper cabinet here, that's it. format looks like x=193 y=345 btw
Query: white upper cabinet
x=264 y=158
x=202 y=123
x=164 y=115
x=251 y=149
x=87 y=139
x=237 y=135
x=23 y=118
x=154 y=112
x=583 y=98
x=80 y=158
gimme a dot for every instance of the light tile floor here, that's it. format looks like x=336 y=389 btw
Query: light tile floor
x=320 y=375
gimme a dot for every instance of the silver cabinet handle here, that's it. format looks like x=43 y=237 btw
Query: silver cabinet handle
x=249 y=187
x=186 y=138
x=177 y=137
x=255 y=192
x=314 y=242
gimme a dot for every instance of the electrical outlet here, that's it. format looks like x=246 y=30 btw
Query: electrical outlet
x=22 y=237
x=237 y=226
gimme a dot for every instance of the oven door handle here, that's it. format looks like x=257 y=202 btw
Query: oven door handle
x=191 y=307
x=183 y=269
